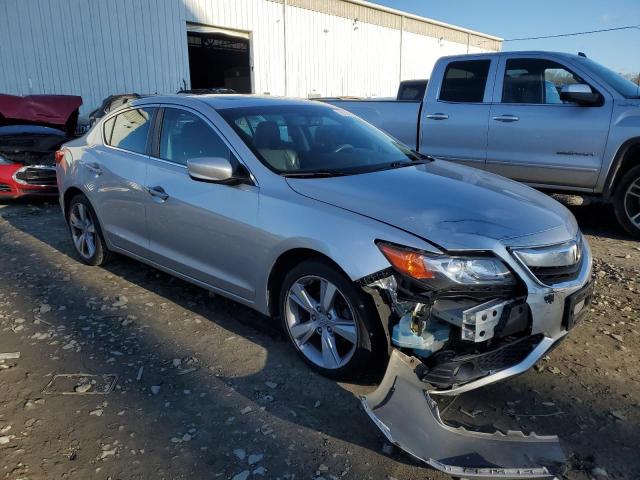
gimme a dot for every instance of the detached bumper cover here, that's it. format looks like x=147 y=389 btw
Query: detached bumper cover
x=402 y=409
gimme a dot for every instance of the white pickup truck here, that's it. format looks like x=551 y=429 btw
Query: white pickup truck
x=556 y=121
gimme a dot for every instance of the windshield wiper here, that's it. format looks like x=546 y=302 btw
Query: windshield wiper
x=422 y=156
x=314 y=174
x=403 y=163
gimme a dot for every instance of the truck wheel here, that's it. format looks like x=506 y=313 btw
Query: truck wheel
x=331 y=323
x=626 y=201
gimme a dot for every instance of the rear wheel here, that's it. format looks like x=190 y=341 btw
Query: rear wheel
x=627 y=201
x=85 y=232
x=331 y=323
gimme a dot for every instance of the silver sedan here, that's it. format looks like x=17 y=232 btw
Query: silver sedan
x=364 y=249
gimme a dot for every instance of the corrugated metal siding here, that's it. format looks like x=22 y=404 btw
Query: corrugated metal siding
x=333 y=47
x=92 y=48
x=330 y=55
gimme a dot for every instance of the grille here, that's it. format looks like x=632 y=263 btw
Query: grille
x=37 y=176
x=554 y=264
x=554 y=275
x=5 y=188
x=461 y=369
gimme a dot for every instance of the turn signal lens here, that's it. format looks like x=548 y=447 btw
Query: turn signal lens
x=59 y=156
x=407 y=261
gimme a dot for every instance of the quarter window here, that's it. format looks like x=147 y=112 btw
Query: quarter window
x=465 y=82
x=185 y=136
x=535 y=81
x=129 y=130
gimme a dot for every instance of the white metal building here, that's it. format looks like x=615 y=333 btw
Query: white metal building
x=302 y=48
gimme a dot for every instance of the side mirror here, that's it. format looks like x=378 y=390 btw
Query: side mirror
x=216 y=170
x=581 y=94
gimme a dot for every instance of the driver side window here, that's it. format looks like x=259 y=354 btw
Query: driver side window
x=184 y=136
x=535 y=81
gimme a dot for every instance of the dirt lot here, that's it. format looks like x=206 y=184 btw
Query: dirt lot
x=208 y=389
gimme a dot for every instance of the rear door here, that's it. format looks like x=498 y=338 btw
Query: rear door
x=537 y=138
x=116 y=173
x=454 y=118
x=205 y=231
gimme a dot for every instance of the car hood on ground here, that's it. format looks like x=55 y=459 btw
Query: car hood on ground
x=452 y=206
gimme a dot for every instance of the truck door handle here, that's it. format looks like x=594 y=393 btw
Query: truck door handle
x=506 y=118
x=158 y=192
x=437 y=116
x=94 y=168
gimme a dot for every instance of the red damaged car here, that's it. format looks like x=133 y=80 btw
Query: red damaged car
x=32 y=129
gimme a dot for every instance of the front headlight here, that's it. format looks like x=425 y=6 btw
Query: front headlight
x=443 y=271
x=5 y=160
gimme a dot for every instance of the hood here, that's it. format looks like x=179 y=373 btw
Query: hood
x=30 y=144
x=52 y=110
x=453 y=206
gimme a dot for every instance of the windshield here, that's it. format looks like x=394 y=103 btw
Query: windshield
x=624 y=87
x=296 y=140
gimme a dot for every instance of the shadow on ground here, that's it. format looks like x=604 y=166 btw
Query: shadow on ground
x=305 y=421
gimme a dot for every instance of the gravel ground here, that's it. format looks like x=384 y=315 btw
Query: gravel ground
x=208 y=389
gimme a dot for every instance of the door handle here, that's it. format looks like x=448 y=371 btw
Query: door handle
x=158 y=192
x=437 y=116
x=506 y=118
x=94 y=168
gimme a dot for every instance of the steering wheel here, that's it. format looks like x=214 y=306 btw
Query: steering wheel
x=342 y=147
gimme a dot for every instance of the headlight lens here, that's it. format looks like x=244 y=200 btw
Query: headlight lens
x=443 y=271
x=5 y=160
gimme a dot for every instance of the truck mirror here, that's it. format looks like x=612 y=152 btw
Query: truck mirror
x=582 y=94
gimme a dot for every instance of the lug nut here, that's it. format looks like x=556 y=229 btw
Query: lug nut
x=319 y=330
x=318 y=308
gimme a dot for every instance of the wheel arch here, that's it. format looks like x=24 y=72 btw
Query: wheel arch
x=68 y=196
x=627 y=157
x=285 y=262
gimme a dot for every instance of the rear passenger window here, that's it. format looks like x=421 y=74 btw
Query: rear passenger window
x=465 y=82
x=185 y=136
x=129 y=130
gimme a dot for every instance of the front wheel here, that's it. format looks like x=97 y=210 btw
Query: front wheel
x=626 y=201
x=331 y=323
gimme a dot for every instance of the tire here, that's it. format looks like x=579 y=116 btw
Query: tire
x=316 y=333
x=626 y=201
x=82 y=219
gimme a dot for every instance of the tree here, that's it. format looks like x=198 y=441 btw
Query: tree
x=634 y=77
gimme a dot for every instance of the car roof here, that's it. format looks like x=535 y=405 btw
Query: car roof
x=224 y=101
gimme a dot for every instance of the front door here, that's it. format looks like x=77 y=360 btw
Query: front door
x=205 y=231
x=537 y=138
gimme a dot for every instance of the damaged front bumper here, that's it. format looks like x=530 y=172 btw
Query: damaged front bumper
x=455 y=344
x=405 y=413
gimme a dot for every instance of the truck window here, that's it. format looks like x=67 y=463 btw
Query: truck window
x=535 y=81
x=465 y=82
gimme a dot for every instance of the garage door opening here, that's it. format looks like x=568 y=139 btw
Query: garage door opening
x=219 y=59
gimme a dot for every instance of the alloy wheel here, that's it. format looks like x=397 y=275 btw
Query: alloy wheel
x=632 y=203
x=83 y=230
x=321 y=322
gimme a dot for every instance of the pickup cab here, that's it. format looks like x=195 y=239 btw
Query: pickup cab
x=555 y=121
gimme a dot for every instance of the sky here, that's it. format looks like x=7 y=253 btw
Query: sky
x=619 y=50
